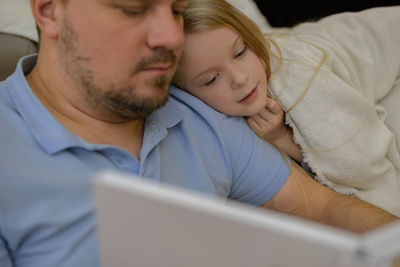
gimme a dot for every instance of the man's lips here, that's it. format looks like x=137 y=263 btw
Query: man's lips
x=250 y=97
x=159 y=69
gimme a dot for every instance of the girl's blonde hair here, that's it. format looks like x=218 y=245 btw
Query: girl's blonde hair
x=205 y=15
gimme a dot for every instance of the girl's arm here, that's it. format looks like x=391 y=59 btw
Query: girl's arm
x=270 y=125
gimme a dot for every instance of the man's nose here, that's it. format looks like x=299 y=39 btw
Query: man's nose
x=166 y=30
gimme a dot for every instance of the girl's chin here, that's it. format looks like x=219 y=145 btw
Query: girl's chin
x=256 y=110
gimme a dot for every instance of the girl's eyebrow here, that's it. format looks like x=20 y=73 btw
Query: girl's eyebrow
x=239 y=38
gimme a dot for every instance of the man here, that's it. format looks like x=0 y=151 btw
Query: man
x=95 y=98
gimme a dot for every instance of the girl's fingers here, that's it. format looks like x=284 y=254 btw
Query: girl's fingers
x=253 y=124
x=266 y=114
x=273 y=106
x=259 y=120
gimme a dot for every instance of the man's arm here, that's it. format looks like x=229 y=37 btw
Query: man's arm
x=304 y=197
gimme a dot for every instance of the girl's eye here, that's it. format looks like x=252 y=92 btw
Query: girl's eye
x=211 y=81
x=241 y=52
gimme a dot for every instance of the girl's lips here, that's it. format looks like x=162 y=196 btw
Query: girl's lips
x=250 y=97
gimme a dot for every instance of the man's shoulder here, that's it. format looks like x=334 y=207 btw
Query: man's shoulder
x=194 y=108
x=201 y=119
x=4 y=95
x=186 y=102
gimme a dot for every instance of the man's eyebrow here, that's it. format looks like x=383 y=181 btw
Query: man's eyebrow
x=238 y=39
x=182 y=1
x=127 y=1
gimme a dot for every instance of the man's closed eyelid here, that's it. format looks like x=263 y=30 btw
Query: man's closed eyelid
x=133 y=10
x=181 y=7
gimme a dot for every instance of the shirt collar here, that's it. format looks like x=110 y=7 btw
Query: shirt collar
x=51 y=135
x=47 y=131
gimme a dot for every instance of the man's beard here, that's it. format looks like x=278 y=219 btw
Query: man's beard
x=114 y=102
x=125 y=104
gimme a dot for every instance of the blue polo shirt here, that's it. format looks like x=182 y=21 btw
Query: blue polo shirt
x=46 y=207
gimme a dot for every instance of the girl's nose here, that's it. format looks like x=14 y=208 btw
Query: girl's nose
x=239 y=78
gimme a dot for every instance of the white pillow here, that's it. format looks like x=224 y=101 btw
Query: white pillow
x=16 y=18
x=251 y=10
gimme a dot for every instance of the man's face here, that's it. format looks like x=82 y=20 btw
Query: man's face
x=121 y=54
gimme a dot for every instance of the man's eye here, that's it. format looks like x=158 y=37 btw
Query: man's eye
x=178 y=12
x=241 y=52
x=180 y=8
x=133 y=11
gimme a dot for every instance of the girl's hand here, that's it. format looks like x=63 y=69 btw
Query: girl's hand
x=269 y=124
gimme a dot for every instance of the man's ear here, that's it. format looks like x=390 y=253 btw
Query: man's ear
x=44 y=12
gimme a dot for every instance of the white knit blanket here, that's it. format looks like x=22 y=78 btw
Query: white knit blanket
x=348 y=120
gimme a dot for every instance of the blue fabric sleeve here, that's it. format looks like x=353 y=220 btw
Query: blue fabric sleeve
x=259 y=169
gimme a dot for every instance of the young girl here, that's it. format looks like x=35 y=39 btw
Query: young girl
x=326 y=77
x=228 y=67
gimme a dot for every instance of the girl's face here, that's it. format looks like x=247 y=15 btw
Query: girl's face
x=221 y=70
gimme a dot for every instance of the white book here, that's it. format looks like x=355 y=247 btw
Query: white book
x=147 y=224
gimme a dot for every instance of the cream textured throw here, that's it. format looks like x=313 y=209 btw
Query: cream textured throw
x=348 y=120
